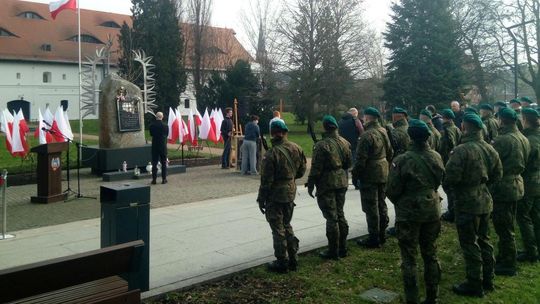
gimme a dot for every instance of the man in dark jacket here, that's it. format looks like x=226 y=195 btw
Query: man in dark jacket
x=226 y=133
x=159 y=132
x=351 y=128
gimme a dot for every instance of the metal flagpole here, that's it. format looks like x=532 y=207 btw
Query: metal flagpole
x=80 y=78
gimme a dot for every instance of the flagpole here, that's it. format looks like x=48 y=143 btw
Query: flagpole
x=80 y=75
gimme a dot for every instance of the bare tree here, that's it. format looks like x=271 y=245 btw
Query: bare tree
x=198 y=14
x=521 y=19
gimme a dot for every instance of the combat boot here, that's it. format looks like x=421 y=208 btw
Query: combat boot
x=293 y=264
x=329 y=255
x=469 y=289
x=488 y=286
x=370 y=242
x=501 y=270
x=448 y=217
x=432 y=294
x=278 y=266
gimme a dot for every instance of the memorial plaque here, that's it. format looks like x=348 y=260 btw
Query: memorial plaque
x=129 y=119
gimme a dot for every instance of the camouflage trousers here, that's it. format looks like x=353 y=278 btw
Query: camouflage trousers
x=450 y=200
x=504 y=220
x=279 y=216
x=473 y=233
x=331 y=203
x=528 y=219
x=411 y=236
x=374 y=206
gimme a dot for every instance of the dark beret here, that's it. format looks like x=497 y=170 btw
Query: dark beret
x=473 y=119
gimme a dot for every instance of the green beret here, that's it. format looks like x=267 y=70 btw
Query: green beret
x=501 y=104
x=508 y=113
x=473 y=119
x=525 y=99
x=279 y=125
x=398 y=110
x=426 y=113
x=486 y=106
x=471 y=110
x=329 y=119
x=372 y=112
x=447 y=113
x=418 y=130
x=515 y=101
x=530 y=112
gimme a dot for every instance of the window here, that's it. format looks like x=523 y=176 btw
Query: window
x=18 y=75
x=46 y=47
x=47 y=77
x=86 y=39
x=64 y=77
x=111 y=24
x=6 y=33
x=30 y=15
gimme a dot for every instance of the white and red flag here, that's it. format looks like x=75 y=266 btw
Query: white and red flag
x=183 y=131
x=68 y=125
x=60 y=127
x=19 y=146
x=192 y=138
x=48 y=117
x=56 y=6
x=6 y=126
x=198 y=118
x=44 y=136
x=219 y=120
x=173 y=127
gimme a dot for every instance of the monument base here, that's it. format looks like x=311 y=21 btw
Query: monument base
x=108 y=160
x=48 y=199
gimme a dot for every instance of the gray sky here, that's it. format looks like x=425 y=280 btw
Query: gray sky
x=226 y=12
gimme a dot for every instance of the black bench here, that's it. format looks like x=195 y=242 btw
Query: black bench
x=98 y=276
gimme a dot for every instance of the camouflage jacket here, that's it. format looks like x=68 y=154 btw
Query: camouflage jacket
x=472 y=167
x=435 y=137
x=450 y=138
x=401 y=135
x=412 y=185
x=331 y=160
x=373 y=154
x=531 y=175
x=514 y=150
x=281 y=165
x=491 y=128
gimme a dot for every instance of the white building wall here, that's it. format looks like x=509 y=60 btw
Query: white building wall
x=24 y=80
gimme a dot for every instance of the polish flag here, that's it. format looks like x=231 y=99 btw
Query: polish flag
x=204 y=129
x=173 y=127
x=69 y=132
x=19 y=146
x=48 y=117
x=219 y=121
x=192 y=138
x=6 y=126
x=60 y=127
x=213 y=129
x=56 y=6
x=198 y=118
x=44 y=136
x=183 y=131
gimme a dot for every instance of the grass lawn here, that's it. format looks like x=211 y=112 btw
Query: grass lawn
x=90 y=126
x=299 y=135
x=319 y=281
x=16 y=165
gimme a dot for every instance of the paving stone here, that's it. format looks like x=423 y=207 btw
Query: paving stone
x=378 y=295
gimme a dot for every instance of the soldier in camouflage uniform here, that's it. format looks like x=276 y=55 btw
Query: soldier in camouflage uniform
x=472 y=167
x=515 y=104
x=528 y=209
x=435 y=137
x=400 y=124
x=489 y=121
x=412 y=187
x=514 y=150
x=370 y=174
x=497 y=106
x=450 y=138
x=281 y=165
x=331 y=160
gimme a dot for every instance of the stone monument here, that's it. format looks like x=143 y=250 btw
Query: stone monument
x=121 y=114
x=121 y=133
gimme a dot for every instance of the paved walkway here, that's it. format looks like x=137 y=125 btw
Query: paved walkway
x=190 y=243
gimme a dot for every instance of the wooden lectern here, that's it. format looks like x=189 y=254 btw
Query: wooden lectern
x=49 y=173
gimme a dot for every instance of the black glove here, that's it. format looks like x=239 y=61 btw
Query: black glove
x=262 y=206
x=310 y=189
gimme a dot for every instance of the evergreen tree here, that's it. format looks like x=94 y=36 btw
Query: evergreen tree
x=425 y=62
x=156 y=31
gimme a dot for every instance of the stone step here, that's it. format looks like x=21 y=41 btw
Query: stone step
x=117 y=176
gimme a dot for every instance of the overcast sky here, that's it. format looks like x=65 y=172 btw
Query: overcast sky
x=226 y=13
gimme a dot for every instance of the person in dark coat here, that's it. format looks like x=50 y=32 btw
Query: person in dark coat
x=226 y=133
x=159 y=132
x=351 y=128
